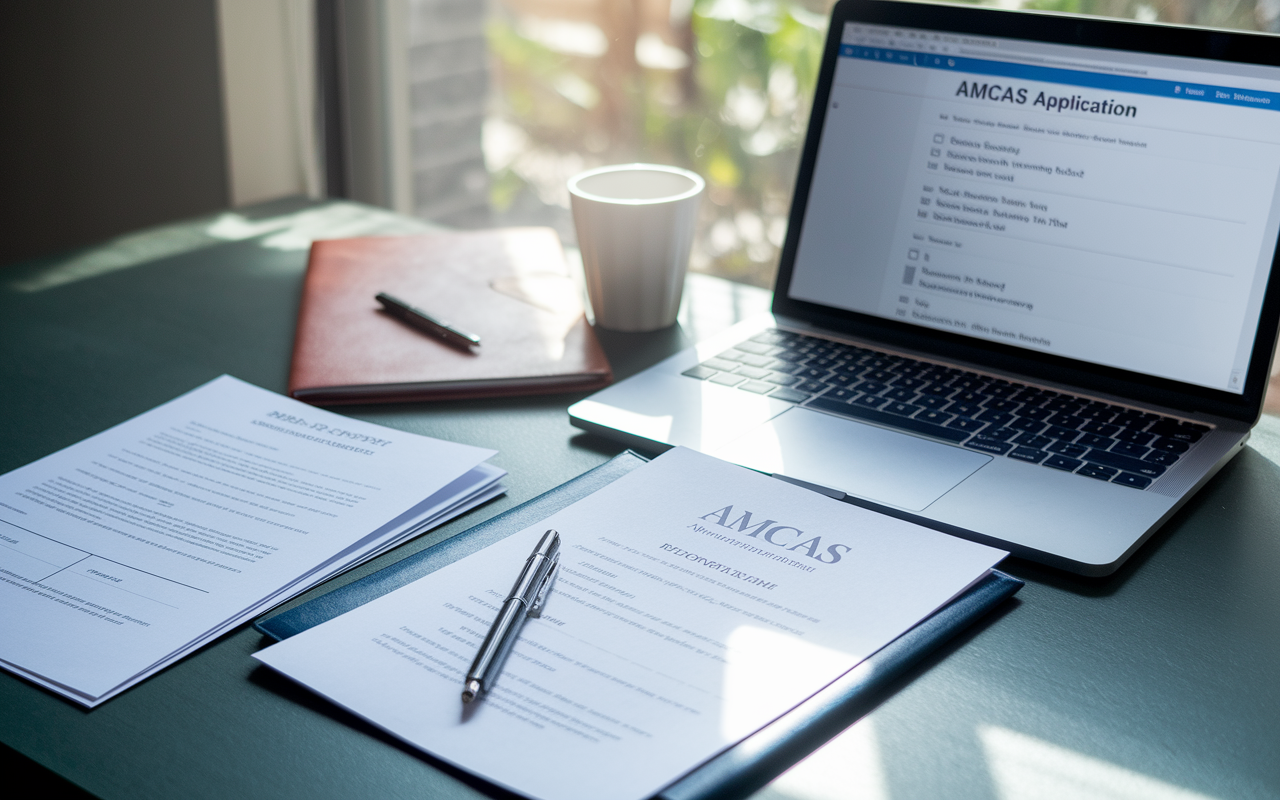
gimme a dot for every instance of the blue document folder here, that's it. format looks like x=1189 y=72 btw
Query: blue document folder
x=750 y=764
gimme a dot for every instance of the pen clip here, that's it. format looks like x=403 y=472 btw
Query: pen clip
x=535 y=610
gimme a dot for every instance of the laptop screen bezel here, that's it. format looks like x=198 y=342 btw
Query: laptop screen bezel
x=1247 y=48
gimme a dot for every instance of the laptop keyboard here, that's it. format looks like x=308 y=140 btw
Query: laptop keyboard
x=1056 y=430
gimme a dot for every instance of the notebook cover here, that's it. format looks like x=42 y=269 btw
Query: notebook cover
x=509 y=286
x=750 y=764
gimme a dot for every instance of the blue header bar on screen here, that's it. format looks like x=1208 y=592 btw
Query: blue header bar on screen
x=1118 y=83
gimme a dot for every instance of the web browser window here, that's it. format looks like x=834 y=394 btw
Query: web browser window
x=1110 y=207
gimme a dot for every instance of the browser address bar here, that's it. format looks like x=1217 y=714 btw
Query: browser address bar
x=1011 y=55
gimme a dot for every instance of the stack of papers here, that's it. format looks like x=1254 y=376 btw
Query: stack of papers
x=695 y=603
x=130 y=549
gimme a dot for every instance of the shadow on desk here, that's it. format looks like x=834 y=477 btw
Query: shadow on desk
x=630 y=353
x=40 y=781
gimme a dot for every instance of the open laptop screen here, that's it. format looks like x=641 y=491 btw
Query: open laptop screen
x=1111 y=207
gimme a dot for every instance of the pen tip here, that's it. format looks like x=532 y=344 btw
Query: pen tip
x=471 y=692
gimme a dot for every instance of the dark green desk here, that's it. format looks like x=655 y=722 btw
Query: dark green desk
x=1161 y=682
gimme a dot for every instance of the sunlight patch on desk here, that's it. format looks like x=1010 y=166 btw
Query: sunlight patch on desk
x=1026 y=768
x=285 y=232
x=120 y=253
x=334 y=221
x=846 y=768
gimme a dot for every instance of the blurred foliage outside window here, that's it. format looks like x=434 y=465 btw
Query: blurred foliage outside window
x=722 y=87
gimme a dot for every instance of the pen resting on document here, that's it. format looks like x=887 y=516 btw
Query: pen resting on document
x=523 y=601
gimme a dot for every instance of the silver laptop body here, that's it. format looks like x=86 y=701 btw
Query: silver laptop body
x=1025 y=295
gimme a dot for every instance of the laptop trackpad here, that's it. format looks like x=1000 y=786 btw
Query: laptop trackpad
x=862 y=460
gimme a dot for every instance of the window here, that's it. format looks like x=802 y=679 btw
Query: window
x=509 y=101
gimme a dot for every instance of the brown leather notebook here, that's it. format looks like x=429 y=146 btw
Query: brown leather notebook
x=510 y=286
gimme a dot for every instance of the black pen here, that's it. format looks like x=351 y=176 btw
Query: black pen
x=421 y=320
x=524 y=600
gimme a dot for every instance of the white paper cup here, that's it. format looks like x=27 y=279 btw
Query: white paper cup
x=635 y=226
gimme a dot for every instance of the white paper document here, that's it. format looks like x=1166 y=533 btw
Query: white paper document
x=696 y=601
x=131 y=548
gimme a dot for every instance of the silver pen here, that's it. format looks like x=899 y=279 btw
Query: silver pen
x=524 y=600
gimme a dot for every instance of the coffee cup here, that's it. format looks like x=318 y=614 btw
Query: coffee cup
x=635 y=225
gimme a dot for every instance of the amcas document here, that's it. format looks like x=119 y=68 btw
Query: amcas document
x=129 y=549
x=696 y=602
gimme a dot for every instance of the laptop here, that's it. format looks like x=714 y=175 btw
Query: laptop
x=1026 y=293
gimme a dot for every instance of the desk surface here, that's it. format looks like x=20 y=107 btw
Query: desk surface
x=1162 y=681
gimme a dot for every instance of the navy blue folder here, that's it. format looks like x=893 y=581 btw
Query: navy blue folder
x=750 y=764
